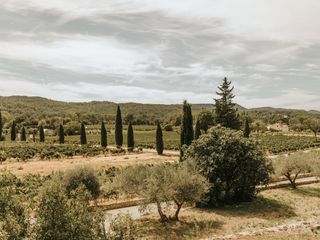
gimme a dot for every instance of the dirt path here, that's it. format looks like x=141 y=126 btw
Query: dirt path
x=45 y=167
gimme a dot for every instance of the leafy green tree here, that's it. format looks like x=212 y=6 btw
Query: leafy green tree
x=314 y=126
x=234 y=165
x=197 y=131
x=159 y=139
x=130 y=136
x=187 y=125
x=118 y=129
x=225 y=111
x=246 y=130
x=163 y=184
x=41 y=134
x=103 y=135
x=23 y=134
x=13 y=131
x=83 y=135
x=206 y=120
x=61 y=134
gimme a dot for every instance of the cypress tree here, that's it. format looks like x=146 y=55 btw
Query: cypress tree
x=130 y=138
x=23 y=135
x=13 y=131
x=41 y=134
x=83 y=136
x=197 y=131
x=159 y=139
x=1 y=127
x=226 y=113
x=61 y=134
x=247 y=130
x=103 y=135
x=118 y=129
x=187 y=125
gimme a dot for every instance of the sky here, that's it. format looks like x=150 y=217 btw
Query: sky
x=153 y=51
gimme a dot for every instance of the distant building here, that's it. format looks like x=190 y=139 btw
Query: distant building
x=278 y=127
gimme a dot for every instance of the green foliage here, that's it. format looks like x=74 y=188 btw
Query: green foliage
x=123 y=227
x=197 y=132
x=206 y=120
x=130 y=140
x=247 y=130
x=61 y=134
x=1 y=126
x=226 y=114
x=103 y=133
x=23 y=134
x=41 y=134
x=314 y=125
x=186 y=125
x=82 y=176
x=13 y=131
x=72 y=128
x=3 y=157
x=60 y=217
x=234 y=165
x=159 y=139
x=83 y=135
x=118 y=129
x=163 y=184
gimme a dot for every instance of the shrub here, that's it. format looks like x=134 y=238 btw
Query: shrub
x=234 y=165
x=123 y=227
x=168 y=128
x=3 y=157
x=86 y=176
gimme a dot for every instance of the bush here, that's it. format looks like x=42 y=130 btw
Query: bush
x=3 y=157
x=233 y=164
x=123 y=227
x=168 y=128
x=86 y=176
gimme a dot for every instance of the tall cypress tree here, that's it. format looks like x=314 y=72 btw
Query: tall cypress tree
x=103 y=135
x=247 y=130
x=159 y=139
x=197 y=131
x=1 y=127
x=186 y=125
x=83 y=135
x=41 y=134
x=226 y=113
x=13 y=131
x=130 y=136
x=118 y=129
x=23 y=134
x=61 y=134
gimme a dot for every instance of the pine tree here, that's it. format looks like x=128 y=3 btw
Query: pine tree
x=103 y=135
x=23 y=135
x=130 y=138
x=83 y=135
x=226 y=113
x=159 y=139
x=61 y=134
x=13 y=131
x=197 y=131
x=41 y=134
x=247 y=130
x=187 y=125
x=118 y=129
x=1 y=127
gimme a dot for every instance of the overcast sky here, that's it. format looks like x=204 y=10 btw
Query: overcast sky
x=162 y=51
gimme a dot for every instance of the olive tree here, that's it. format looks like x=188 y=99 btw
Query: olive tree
x=233 y=164
x=164 y=184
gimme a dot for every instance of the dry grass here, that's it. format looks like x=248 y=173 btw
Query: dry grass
x=46 y=167
x=271 y=208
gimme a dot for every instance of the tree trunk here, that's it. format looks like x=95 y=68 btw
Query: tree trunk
x=179 y=205
x=163 y=217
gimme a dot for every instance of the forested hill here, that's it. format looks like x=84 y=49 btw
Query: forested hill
x=30 y=110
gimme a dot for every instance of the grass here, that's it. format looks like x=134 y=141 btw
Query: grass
x=270 y=209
